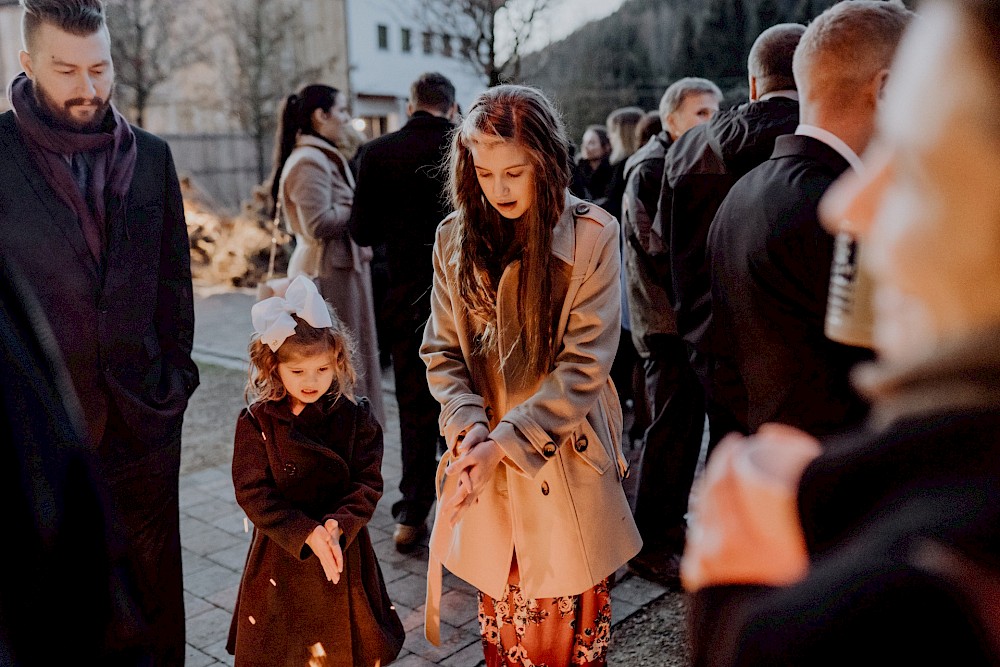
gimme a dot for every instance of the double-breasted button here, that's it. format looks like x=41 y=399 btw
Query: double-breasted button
x=545 y=488
x=291 y=469
x=549 y=450
x=489 y=413
x=581 y=444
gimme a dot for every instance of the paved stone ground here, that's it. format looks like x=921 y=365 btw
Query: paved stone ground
x=215 y=538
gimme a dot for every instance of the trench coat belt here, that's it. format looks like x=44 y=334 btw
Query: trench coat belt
x=432 y=606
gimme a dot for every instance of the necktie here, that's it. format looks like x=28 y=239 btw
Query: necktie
x=78 y=164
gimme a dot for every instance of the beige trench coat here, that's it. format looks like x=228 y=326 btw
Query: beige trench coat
x=317 y=192
x=557 y=498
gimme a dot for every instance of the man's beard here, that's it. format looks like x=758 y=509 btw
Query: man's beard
x=63 y=118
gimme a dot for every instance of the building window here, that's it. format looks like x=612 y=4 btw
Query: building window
x=446 y=46
x=407 y=40
x=466 y=47
x=428 y=43
x=383 y=37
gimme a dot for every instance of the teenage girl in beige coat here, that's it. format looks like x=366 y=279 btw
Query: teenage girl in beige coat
x=524 y=327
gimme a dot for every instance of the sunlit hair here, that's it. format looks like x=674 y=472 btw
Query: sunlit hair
x=264 y=383
x=680 y=90
x=522 y=116
x=770 y=59
x=621 y=130
x=845 y=47
x=77 y=17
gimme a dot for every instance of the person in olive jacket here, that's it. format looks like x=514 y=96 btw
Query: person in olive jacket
x=307 y=471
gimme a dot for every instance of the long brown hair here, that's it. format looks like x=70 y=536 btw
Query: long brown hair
x=264 y=382
x=296 y=117
x=520 y=115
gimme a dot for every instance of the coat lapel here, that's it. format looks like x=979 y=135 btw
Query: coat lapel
x=62 y=220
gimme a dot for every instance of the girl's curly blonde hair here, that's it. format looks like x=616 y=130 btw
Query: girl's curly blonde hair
x=264 y=383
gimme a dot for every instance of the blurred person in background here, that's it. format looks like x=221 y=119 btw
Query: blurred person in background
x=592 y=173
x=672 y=441
x=885 y=547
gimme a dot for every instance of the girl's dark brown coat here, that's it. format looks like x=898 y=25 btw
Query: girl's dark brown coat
x=292 y=473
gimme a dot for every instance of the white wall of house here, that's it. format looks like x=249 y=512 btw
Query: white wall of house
x=10 y=45
x=382 y=68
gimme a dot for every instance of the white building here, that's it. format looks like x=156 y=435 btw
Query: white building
x=10 y=45
x=388 y=49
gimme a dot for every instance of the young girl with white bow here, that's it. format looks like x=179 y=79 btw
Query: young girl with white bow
x=307 y=472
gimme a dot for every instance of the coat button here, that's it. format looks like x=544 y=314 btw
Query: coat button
x=582 y=209
x=545 y=488
x=489 y=413
x=291 y=469
x=581 y=444
x=549 y=450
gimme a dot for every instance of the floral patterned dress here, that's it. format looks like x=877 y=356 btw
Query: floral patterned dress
x=546 y=632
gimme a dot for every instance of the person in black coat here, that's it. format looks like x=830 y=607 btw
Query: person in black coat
x=91 y=211
x=55 y=508
x=699 y=171
x=399 y=201
x=307 y=465
x=770 y=258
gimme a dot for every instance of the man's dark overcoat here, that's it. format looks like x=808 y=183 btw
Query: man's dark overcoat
x=125 y=332
x=770 y=261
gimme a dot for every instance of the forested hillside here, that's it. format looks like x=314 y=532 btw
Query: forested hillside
x=630 y=57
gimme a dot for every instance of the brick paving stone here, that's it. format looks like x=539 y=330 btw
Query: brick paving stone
x=226 y=598
x=410 y=591
x=413 y=660
x=233 y=558
x=233 y=522
x=453 y=640
x=207 y=629
x=458 y=608
x=212 y=580
x=621 y=610
x=218 y=650
x=636 y=590
x=192 y=562
x=470 y=656
x=194 y=605
x=212 y=540
x=195 y=658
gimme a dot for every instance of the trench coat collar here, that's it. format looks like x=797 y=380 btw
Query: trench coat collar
x=329 y=150
x=564 y=233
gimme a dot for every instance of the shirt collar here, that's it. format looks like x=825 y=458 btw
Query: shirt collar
x=788 y=94
x=833 y=141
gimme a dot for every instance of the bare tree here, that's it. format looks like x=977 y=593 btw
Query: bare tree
x=493 y=32
x=150 y=40
x=266 y=70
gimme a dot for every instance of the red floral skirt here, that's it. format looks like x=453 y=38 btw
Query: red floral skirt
x=546 y=632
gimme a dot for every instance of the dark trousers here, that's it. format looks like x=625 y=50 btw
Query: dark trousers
x=418 y=430
x=143 y=490
x=725 y=396
x=672 y=444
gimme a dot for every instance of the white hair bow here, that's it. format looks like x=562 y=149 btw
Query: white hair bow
x=272 y=318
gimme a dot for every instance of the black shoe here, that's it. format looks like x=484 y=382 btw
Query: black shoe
x=407 y=537
x=659 y=567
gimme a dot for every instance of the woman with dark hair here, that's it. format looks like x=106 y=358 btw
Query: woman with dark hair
x=525 y=319
x=592 y=172
x=315 y=187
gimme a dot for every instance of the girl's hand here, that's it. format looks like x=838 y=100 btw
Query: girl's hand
x=325 y=542
x=474 y=468
x=473 y=435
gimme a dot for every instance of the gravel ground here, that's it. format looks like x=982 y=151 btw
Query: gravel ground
x=654 y=636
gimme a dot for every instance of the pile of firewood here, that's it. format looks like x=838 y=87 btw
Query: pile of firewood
x=231 y=250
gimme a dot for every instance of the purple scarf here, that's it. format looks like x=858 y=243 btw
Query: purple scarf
x=114 y=151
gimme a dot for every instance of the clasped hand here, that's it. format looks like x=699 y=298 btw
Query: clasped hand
x=325 y=542
x=478 y=458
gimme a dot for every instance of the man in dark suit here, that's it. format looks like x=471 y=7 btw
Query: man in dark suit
x=91 y=211
x=399 y=201
x=700 y=169
x=770 y=257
